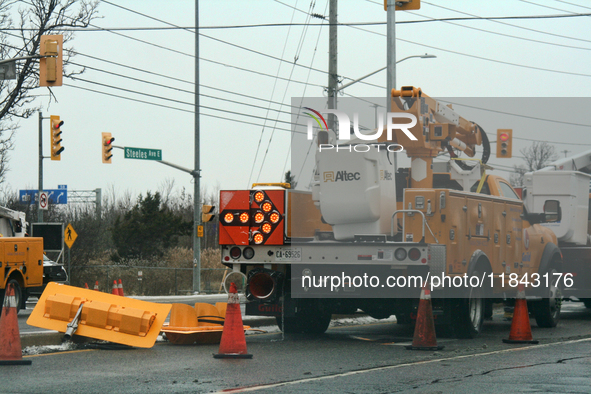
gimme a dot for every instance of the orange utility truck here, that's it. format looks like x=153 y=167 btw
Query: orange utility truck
x=385 y=232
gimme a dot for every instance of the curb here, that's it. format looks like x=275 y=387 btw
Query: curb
x=53 y=338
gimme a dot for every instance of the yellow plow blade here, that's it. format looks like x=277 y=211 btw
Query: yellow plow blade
x=202 y=324
x=99 y=315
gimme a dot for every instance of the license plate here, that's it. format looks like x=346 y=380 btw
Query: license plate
x=288 y=254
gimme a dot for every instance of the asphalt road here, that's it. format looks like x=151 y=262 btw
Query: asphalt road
x=352 y=359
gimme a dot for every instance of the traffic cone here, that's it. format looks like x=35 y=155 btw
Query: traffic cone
x=120 y=288
x=115 y=289
x=96 y=287
x=10 y=339
x=85 y=285
x=424 y=336
x=233 y=342
x=520 y=327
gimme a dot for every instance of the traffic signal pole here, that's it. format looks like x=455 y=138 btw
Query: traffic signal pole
x=40 y=211
x=196 y=173
x=196 y=217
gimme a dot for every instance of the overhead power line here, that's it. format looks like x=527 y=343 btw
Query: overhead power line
x=288 y=24
x=174 y=108
x=521 y=115
x=509 y=24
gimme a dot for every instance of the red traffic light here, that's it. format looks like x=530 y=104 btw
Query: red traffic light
x=58 y=125
x=107 y=140
x=504 y=137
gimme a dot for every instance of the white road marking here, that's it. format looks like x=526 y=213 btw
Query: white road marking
x=359 y=372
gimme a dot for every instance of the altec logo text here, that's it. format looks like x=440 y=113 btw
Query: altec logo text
x=329 y=176
x=344 y=133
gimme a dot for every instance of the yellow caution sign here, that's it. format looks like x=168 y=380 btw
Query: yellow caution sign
x=70 y=235
x=200 y=231
x=89 y=313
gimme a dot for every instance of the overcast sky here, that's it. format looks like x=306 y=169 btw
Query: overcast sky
x=542 y=57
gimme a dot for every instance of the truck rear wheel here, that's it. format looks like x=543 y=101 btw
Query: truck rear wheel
x=547 y=311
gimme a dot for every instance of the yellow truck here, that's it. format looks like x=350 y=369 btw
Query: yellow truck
x=21 y=264
x=369 y=236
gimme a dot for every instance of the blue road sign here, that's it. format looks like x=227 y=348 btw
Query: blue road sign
x=56 y=196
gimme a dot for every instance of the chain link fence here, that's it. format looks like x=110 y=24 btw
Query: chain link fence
x=149 y=281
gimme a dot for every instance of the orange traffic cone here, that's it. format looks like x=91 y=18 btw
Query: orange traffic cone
x=520 y=327
x=424 y=337
x=96 y=287
x=120 y=288
x=115 y=289
x=85 y=285
x=233 y=342
x=10 y=339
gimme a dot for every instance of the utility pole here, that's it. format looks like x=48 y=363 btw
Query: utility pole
x=196 y=172
x=391 y=52
x=40 y=211
x=565 y=152
x=391 y=60
x=332 y=63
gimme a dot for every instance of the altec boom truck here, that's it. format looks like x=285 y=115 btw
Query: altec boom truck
x=568 y=182
x=453 y=223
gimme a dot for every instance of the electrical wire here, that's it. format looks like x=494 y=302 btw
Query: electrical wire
x=188 y=82
x=178 y=101
x=174 y=108
x=520 y=115
x=296 y=57
x=506 y=35
x=315 y=51
x=508 y=24
x=552 y=142
x=272 y=94
x=576 y=5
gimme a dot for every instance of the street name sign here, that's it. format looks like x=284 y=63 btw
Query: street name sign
x=142 y=153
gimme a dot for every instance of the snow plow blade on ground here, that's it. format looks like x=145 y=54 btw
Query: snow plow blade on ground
x=92 y=314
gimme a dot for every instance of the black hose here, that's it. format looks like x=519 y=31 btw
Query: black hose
x=485 y=150
x=485 y=145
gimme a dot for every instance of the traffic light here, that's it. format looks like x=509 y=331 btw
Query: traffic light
x=404 y=5
x=207 y=214
x=56 y=137
x=504 y=142
x=107 y=143
x=51 y=61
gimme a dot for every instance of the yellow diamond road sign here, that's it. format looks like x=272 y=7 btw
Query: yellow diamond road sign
x=70 y=236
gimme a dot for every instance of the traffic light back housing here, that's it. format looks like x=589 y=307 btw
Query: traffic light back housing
x=55 y=125
x=207 y=213
x=51 y=63
x=107 y=145
x=504 y=143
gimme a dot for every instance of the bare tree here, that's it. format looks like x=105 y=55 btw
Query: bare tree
x=537 y=156
x=22 y=23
